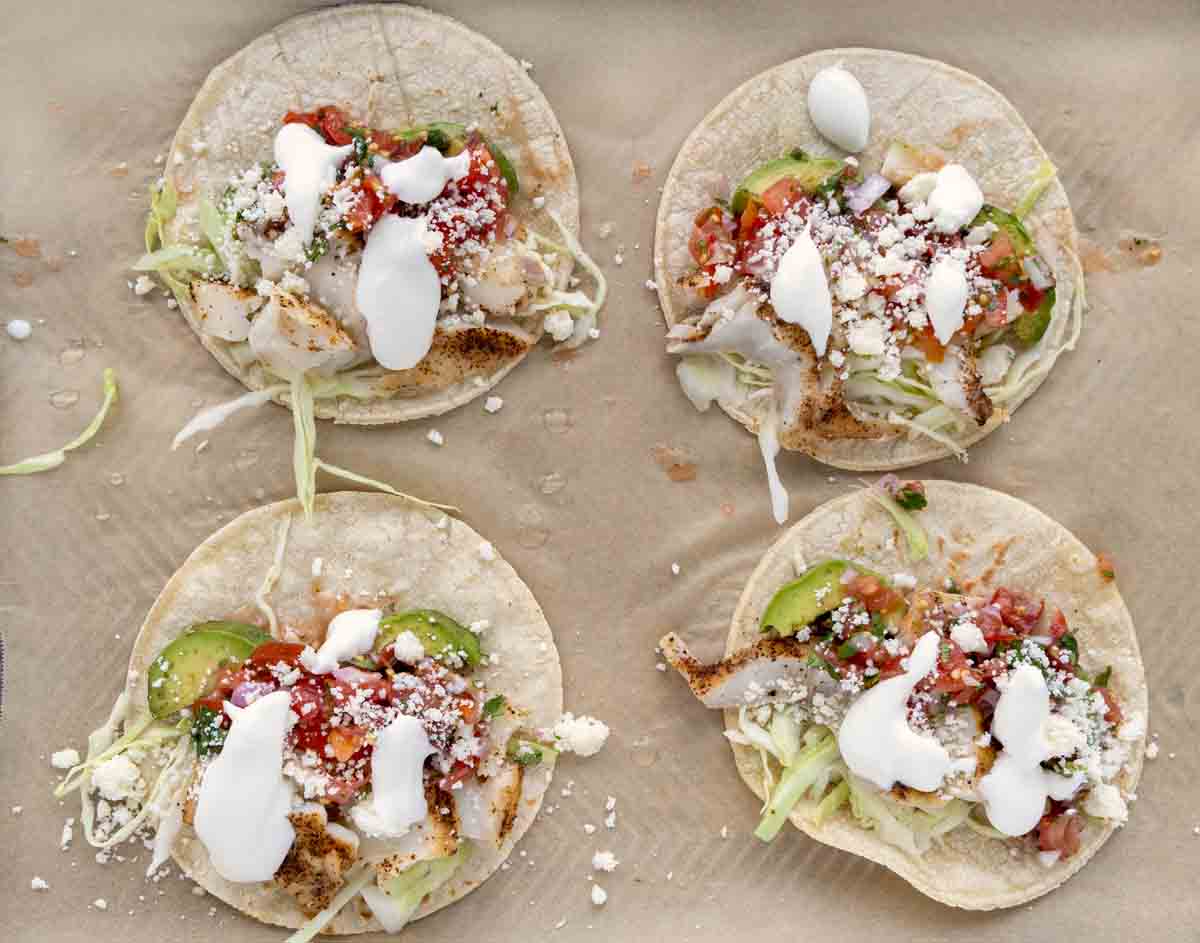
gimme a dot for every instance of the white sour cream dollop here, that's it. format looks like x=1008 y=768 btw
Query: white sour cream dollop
x=397 y=800
x=800 y=291
x=837 y=104
x=875 y=739
x=399 y=291
x=946 y=298
x=420 y=178
x=351 y=633
x=242 y=809
x=1015 y=789
x=310 y=168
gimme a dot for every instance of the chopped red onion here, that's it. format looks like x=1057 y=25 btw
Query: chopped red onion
x=861 y=198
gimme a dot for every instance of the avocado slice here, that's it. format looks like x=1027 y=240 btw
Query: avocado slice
x=804 y=600
x=449 y=137
x=437 y=632
x=186 y=669
x=1018 y=235
x=809 y=172
x=801 y=601
x=1030 y=326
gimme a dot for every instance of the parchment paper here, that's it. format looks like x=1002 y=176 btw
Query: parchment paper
x=1109 y=447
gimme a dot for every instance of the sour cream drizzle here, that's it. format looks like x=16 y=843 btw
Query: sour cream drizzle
x=351 y=633
x=397 y=800
x=399 y=291
x=420 y=178
x=242 y=809
x=800 y=291
x=310 y=168
x=946 y=298
x=1015 y=789
x=875 y=739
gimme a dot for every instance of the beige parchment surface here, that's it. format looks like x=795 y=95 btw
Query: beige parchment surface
x=1109 y=446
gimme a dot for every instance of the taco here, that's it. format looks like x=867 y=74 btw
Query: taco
x=876 y=309
x=955 y=693
x=373 y=206
x=338 y=725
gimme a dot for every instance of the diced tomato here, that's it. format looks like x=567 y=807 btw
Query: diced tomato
x=779 y=197
x=456 y=775
x=999 y=260
x=970 y=323
x=311 y=728
x=890 y=667
x=482 y=176
x=1058 y=626
x=376 y=685
x=1018 y=610
x=873 y=594
x=273 y=652
x=374 y=200
x=345 y=741
x=751 y=220
x=1060 y=833
x=393 y=147
x=711 y=242
x=466 y=707
x=329 y=120
x=1030 y=296
x=1113 y=715
x=956 y=676
x=930 y=346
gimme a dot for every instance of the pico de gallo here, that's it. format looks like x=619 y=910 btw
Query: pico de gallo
x=939 y=302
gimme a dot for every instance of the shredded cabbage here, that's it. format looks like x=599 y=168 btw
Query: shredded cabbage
x=914 y=533
x=163 y=202
x=584 y=310
x=959 y=452
x=398 y=898
x=49 y=460
x=304 y=460
x=785 y=734
x=178 y=259
x=1041 y=180
x=380 y=486
x=809 y=764
x=272 y=576
x=103 y=744
x=911 y=830
x=213 y=416
x=833 y=801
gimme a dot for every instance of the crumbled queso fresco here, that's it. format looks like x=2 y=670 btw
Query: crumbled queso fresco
x=876 y=325
x=583 y=735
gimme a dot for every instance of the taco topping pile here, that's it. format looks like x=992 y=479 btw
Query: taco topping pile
x=286 y=759
x=926 y=709
x=833 y=304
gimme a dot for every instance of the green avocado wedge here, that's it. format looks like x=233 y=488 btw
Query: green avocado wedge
x=438 y=633
x=804 y=600
x=809 y=172
x=186 y=669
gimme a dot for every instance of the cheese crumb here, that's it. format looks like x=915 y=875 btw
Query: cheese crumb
x=604 y=861
x=1151 y=751
x=589 y=828
x=37 y=884
x=492 y=404
x=144 y=285
x=64 y=759
x=538 y=202
x=408 y=648
x=581 y=735
x=118 y=779
x=487 y=552
x=675 y=569
x=599 y=895
x=100 y=903
x=19 y=329
x=435 y=437
x=559 y=325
